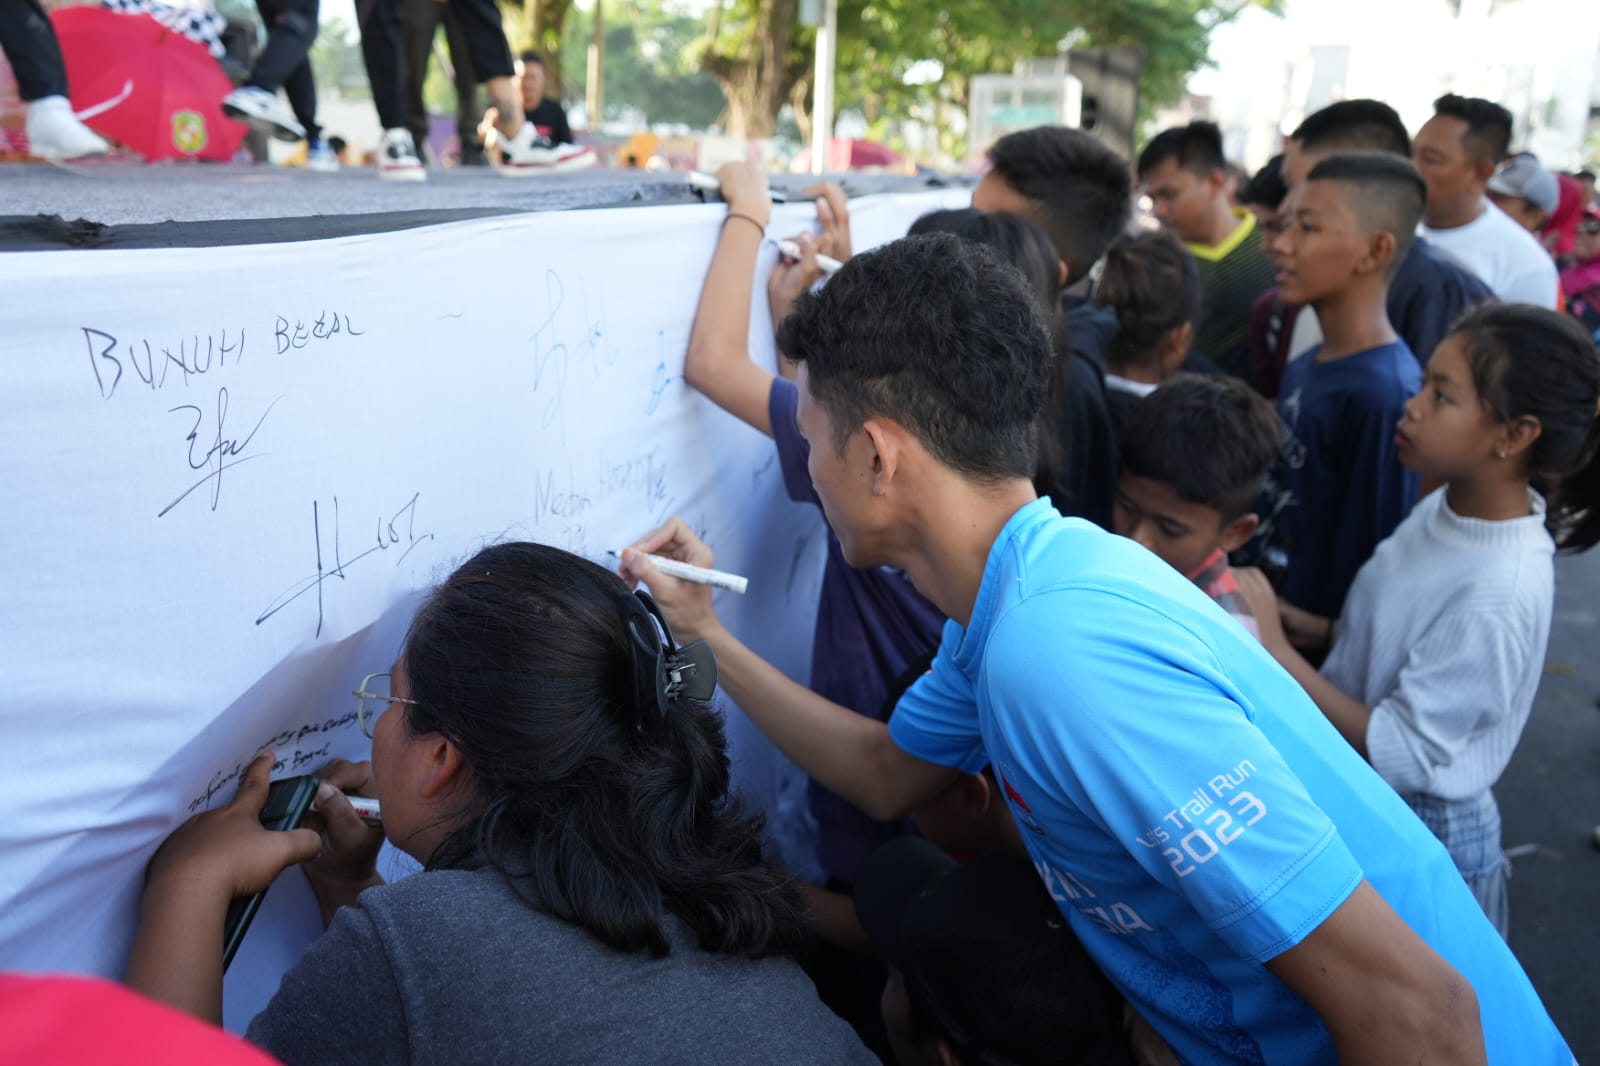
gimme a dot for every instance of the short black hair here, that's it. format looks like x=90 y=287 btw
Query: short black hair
x=532 y=57
x=1584 y=175
x=941 y=336
x=1488 y=124
x=1081 y=189
x=1197 y=147
x=1389 y=193
x=1267 y=188
x=1211 y=437
x=1354 y=126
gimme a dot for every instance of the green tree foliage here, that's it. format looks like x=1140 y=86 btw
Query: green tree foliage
x=651 y=65
x=762 y=61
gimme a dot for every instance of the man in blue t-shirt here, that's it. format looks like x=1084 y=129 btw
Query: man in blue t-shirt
x=1232 y=865
x=1339 y=488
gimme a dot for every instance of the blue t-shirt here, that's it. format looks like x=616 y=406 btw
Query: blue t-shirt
x=1338 y=488
x=872 y=627
x=1190 y=810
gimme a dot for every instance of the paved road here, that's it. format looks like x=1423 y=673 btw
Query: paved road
x=1550 y=799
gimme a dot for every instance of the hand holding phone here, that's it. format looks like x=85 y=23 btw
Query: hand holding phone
x=288 y=802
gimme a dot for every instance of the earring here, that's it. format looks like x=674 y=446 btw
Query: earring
x=1500 y=453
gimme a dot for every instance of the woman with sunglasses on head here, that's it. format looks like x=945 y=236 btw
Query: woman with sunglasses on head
x=590 y=894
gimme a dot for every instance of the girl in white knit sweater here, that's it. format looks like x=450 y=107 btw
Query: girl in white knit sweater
x=1435 y=661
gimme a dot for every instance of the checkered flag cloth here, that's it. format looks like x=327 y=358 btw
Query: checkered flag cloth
x=202 y=27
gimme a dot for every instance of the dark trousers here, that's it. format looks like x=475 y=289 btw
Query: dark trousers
x=422 y=21
x=382 y=48
x=29 y=42
x=291 y=31
x=300 y=85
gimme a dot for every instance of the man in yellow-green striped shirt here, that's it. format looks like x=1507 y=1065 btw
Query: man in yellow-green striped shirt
x=1183 y=172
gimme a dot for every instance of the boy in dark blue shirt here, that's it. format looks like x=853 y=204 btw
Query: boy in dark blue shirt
x=1339 y=488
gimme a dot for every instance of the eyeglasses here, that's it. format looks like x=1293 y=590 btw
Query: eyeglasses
x=366 y=715
x=1589 y=226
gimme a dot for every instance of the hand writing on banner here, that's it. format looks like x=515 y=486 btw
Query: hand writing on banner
x=222 y=454
x=399 y=531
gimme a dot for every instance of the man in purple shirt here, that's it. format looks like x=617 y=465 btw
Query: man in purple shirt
x=873 y=627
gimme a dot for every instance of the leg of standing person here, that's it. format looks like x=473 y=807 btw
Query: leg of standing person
x=382 y=46
x=419 y=27
x=29 y=42
x=301 y=89
x=468 y=111
x=291 y=31
x=522 y=150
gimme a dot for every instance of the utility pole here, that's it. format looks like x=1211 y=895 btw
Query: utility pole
x=822 y=88
x=595 y=96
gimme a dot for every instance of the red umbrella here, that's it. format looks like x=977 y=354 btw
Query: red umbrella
x=138 y=82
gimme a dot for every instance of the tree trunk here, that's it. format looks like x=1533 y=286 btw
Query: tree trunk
x=757 y=76
x=547 y=20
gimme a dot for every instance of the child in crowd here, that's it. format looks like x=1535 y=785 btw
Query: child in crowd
x=1441 y=644
x=545 y=749
x=1194 y=455
x=1339 y=488
x=1152 y=284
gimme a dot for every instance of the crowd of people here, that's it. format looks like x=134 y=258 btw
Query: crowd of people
x=526 y=132
x=1187 y=590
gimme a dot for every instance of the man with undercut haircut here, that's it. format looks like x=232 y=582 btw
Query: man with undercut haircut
x=1185 y=175
x=1431 y=288
x=1457 y=151
x=1079 y=192
x=1339 y=488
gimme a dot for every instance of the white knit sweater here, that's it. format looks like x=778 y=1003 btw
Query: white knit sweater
x=1443 y=636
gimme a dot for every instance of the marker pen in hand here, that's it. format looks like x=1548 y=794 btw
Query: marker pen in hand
x=825 y=263
x=698 y=575
x=366 y=808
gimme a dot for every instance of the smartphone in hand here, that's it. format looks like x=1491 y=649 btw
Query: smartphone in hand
x=288 y=802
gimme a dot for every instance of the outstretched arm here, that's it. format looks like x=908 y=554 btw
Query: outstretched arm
x=847 y=753
x=718 y=363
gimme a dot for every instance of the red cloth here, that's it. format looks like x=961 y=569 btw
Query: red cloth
x=83 y=1021
x=1563 y=221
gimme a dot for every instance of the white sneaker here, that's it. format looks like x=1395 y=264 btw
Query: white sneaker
x=529 y=153
x=397 y=157
x=321 y=157
x=264 y=111
x=54 y=132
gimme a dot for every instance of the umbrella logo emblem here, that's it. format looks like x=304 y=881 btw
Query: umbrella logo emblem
x=189 y=132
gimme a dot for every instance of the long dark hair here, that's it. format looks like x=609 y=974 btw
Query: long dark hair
x=1530 y=361
x=600 y=812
